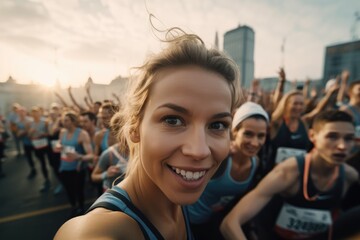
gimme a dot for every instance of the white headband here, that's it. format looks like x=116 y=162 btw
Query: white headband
x=247 y=110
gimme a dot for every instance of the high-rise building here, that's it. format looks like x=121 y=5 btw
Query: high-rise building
x=239 y=45
x=339 y=57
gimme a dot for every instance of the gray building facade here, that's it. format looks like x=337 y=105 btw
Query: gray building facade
x=239 y=44
x=345 y=56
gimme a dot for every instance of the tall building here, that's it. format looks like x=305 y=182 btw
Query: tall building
x=239 y=45
x=344 y=56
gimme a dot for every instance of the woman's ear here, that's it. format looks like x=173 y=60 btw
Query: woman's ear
x=234 y=132
x=135 y=136
x=312 y=135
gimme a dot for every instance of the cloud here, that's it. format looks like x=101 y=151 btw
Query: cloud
x=94 y=34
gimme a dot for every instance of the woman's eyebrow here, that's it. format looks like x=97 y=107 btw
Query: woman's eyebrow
x=174 y=107
x=180 y=109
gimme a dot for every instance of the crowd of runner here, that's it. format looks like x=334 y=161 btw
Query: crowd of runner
x=266 y=187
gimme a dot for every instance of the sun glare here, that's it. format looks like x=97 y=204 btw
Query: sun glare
x=49 y=84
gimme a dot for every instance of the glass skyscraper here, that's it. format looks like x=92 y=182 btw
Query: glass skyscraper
x=239 y=45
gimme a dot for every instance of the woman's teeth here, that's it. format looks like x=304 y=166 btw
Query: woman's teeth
x=188 y=175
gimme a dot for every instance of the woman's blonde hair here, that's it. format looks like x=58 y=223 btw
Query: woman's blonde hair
x=280 y=108
x=183 y=49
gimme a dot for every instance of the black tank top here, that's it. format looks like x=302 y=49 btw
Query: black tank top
x=300 y=218
x=329 y=199
x=285 y=138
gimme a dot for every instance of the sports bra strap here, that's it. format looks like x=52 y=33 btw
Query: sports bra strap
x=112 y=207
x=133 y=208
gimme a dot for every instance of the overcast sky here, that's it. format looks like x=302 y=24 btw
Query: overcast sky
x=70 y=40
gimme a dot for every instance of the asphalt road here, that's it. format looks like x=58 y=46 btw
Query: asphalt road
x=25 y=212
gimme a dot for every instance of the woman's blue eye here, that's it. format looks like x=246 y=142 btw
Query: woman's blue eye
x=219 y=126
x=173 y=121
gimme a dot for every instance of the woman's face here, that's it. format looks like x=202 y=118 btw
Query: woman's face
x=67 y=122
x=184 y=134
x=250 y=137
x=295 y=106
x=106 y=115
x=35 y=114
x=355 y=92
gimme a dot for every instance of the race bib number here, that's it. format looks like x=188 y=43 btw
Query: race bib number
x=284 y=153
x=39 y=143
x=55 y=146
x=65 y=151
x=303 y=221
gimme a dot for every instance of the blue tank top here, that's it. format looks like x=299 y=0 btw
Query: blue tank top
x=72 y=142
x=40 y=128
x=25 y=138
x=104 y=141
x=218 y=193
x=117 y=199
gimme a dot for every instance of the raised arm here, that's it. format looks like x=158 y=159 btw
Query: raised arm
x=321 y=105
x=87 y=88
x=61 y=99
x=343 y=86
x=88 y=104
x=279 y=87
x=277 y=181
x=306 y=89
x=254 y=93
x=74 y=101
x=117 y=99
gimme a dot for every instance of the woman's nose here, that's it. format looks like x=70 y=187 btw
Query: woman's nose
x=196 y=145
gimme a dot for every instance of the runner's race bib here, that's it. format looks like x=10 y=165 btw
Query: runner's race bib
x=296 y=222
x=39 y=143
x=54 y=146
x=284 y=153
x=65 y=150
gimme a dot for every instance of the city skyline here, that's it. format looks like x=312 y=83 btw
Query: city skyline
x=71 y=40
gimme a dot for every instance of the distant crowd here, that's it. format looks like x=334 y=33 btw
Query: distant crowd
x=252 y=194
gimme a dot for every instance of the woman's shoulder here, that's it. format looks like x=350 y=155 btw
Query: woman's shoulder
x=100 y=224
x=100 y=134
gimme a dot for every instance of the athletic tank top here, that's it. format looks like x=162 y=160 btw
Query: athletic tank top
x=71 y=145
x=25 y=138
x=117 y=199
x=287 y=139
x=300 y=218
x=40 y=128
x=105 y=141
x=219 y=192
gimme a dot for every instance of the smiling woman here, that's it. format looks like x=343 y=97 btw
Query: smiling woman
x=176 y=122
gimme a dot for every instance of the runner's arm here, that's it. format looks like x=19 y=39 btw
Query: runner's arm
x=280 y=179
